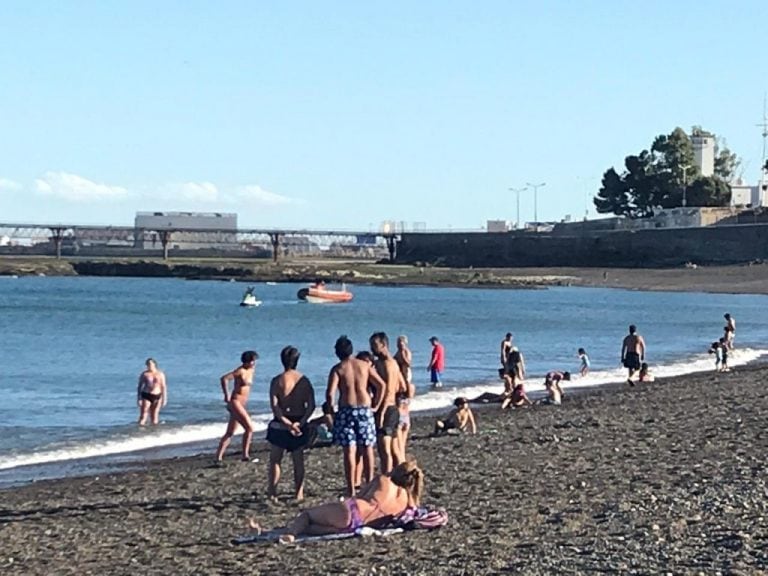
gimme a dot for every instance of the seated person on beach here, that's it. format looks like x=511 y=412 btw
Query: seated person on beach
x=293 y=400
x=644 y=375
x=492 y=397
x=460 y=419
x=376 y=504
x=552 y=385
x=518 y=397
x=320 y=428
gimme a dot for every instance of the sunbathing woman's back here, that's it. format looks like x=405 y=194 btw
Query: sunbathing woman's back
x=381 y=498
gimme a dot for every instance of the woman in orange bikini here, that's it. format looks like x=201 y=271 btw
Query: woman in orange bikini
x=238 y=415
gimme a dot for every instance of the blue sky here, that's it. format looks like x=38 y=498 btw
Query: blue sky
x=345 y=114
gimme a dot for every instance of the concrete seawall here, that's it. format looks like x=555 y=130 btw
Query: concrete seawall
x=716 y=245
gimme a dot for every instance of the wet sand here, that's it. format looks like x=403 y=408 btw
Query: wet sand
x=736 y=279
x=668 y=477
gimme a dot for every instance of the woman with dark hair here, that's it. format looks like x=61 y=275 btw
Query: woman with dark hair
x=242 y=378
x=293 y=400
x=376 y=504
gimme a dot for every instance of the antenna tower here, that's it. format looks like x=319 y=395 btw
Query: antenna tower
x=764 y=126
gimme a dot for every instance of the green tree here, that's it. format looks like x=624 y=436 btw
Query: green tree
x=613 y=196
x=656 y=178
x=726 y=162
x=708 y=191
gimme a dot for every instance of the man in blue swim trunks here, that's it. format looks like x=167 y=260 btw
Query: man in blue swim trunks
x=354 y=428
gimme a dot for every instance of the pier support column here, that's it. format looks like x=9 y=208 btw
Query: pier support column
x=165 y=239
x=391 y=246
x=274 y=238
x=57 y=235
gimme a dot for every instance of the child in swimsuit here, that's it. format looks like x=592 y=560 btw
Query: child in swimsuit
x=724 y=349
x=460 y=418
x=644 y=375
x=584 y=368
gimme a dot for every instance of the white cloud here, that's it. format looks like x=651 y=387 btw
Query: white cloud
x=7 y=185
x=194 y=191
x=75 y=188
x=258 y=195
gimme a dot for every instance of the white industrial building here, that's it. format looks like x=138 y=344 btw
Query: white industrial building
x=189 y=230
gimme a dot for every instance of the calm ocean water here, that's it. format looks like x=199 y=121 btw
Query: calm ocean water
x=72 y=349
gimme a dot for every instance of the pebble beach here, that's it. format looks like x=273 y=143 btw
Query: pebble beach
x=665 y=477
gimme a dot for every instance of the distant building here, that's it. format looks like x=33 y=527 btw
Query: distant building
x=190 y=230
x=741 y=193
x=760 y=193
x=704 y=152
x=497 y=226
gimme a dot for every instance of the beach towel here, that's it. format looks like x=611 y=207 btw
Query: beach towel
x=422 y=518
x=272 y=536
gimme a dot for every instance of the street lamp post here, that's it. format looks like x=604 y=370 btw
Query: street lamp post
x=685 y=184
x=517 y=192
x=536 y=200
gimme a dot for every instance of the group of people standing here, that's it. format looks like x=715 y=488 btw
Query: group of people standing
x=721 y=348
x=366 y=406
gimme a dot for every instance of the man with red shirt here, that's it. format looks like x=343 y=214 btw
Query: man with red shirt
x=436 y=362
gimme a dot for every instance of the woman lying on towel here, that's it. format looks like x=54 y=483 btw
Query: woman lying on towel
x=375 y=504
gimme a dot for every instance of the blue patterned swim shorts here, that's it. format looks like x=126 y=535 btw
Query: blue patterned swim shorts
x=354 y=426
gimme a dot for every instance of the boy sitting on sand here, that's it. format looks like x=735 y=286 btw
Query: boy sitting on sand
x=459 y=419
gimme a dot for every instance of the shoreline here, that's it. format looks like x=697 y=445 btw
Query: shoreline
x=115 y=463
x=734 y=279
x=662 y=477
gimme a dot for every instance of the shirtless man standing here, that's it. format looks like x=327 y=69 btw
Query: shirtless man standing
x=293 y=400
x=506 y=347
x=632 y=352
x=354 y=428
x=151 y=394
x=404 y=359
x=243 y=379
x=387 y=416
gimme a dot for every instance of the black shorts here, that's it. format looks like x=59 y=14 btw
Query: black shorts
x=151 y=397
x=632 y=361
x=391 y=421
x=287 y=441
